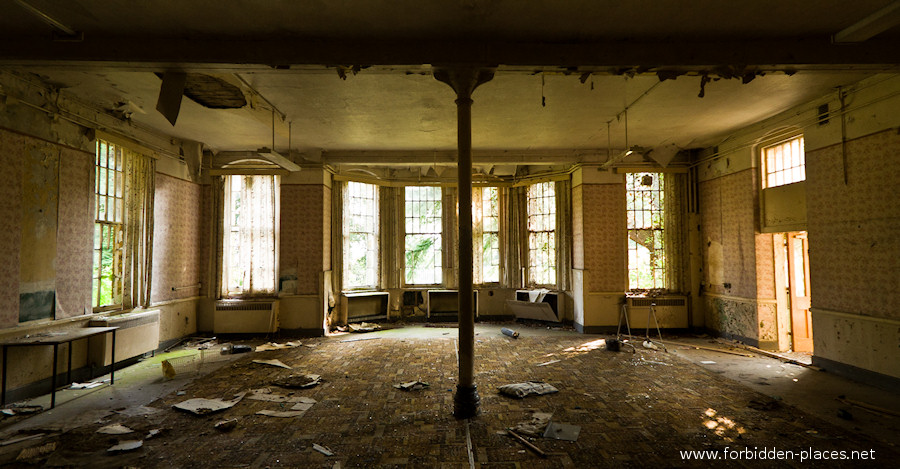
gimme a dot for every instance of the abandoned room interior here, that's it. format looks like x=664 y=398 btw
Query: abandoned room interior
x=680 y=217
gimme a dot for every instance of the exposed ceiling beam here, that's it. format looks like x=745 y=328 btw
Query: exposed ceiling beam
x=281 y=53
x=445 y=158
x=870 y=26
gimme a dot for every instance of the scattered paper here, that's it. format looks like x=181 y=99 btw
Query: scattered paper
x=520 y=390
x=273 y=362
x=548 y=363
x=364 y=327
x=411 y=386
x=201 y=406
x=153 y=433
x=91 y=385
x=707 y=362
x=129 y=445
x=277 y=346
x=323 y=449
x=115 y=429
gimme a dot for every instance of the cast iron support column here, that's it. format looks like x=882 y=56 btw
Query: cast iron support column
x=464 y=80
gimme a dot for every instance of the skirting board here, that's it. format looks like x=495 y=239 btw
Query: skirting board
x=873 y=378
x=301 y=332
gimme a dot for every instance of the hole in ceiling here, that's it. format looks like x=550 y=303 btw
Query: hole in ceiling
x=212 y=92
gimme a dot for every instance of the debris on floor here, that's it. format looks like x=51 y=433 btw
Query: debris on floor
x=201 y=406
x=844 y=414
x=527 y=443
x=15 y=409
x=36 y=451
x=266 y=394
x=363 y=327
x=90 y=385
x=323 y=449
x=520 y=390
x=509 y=332
x=115 y=429
x=298 y=381
x=548 y=363
x=232 y=349
x=277 y=346
x=707 y=362
x=874 y=409
x=562 y=431
x=128 y=445
x=650 y=345
x=534 y=427
x=360 y=338
x=273 y=362
x=153 y=433
x=225 y=425
x=22 y=438
x=282 y=413
x=411 y=386
x=137 y=411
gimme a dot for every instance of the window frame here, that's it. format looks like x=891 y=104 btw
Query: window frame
x=109 y=231
x=373 y=250
x=797 y=161
x=656 y=227
x=547 y=215
x=225 y=291
x=408 y=223
x=478 y=227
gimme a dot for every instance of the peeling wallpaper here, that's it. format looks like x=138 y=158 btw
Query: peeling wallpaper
x=11 y=147
x=75 y=233
x=74 y=225
x=853 y=229
x=302 y=239
x=578 y=227
x=604 y=236
x=176 y=238
x=207 y=238
x=727 y=216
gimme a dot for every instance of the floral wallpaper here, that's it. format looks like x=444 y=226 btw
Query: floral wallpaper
x=302 y=240
x=74 y=263
x=12 y=146
x=176 y=238
x=604 y=236
x=853 y=236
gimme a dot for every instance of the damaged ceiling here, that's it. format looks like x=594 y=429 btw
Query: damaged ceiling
x=566 y=71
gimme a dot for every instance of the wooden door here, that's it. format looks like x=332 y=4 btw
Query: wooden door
x=798 y=273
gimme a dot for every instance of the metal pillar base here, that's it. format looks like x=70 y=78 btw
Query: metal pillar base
x=465 y=401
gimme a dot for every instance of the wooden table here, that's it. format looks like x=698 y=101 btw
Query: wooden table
x=55 y=339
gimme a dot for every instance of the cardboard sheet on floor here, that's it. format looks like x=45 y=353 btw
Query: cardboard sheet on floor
x=562 y=431
x=528 y=310
x=201 y=406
